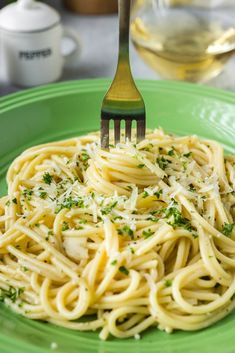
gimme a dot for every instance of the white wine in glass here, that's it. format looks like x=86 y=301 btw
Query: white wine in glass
x=186 y=40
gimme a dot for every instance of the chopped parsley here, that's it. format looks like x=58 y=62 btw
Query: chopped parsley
x=163 y=162
x=69 y=202
x=158 y=193
x=85 y=156
x=185 y=165
x=171 y=152
x=175 y=217
x=153 y=219
x=140 y=166
x=114 y=262
x=7 y=203
x=124 y=270
x=187 y=155
x=129 y=187
x=49 y=233
x=79 y=227
x=116 y=217
x=126 y=230
x=147 y=233
x=11 y=293
x=47 y=178
x=145 y=194
x=28 y=194
x=65 y=226
x=43 y=194
x=168 y=283
x=157 y=212
x=106 y=210
x=14 y=201
x=228 y=229
x=192 y=188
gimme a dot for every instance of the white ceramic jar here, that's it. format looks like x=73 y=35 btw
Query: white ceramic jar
x=31 y=37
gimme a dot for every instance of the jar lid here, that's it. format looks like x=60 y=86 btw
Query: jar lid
x=28 y=16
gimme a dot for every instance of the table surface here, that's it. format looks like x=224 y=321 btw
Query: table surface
x=99 y=38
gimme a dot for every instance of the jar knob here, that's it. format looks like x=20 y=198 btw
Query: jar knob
x=26 y=4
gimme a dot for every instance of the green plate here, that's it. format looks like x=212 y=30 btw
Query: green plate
x=62 y=110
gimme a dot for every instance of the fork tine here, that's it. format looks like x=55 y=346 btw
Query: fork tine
x=128 y=129
x=117 y=131
x=105 y=133
x=140 y=129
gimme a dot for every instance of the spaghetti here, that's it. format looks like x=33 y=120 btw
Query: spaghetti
x=133 y=237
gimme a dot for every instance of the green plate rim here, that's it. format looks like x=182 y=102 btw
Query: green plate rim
x=67 y=87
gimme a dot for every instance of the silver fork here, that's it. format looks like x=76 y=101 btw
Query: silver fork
x=123 y=101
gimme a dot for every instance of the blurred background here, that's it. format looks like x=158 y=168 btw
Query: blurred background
x=189 y=40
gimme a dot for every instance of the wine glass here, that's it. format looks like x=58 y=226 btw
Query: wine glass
x=184 y=39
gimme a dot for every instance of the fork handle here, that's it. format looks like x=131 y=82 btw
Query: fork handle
x=123 y=92
x=124 y=23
